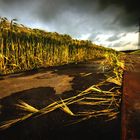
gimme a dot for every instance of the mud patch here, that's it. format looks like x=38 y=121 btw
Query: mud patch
x=60 y=83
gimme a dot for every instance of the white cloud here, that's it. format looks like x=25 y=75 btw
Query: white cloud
x=129 y=42
x=101 y=39
x=85 y=36
x=123 y=42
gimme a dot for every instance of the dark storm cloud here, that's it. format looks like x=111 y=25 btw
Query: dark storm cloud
x=94 y=36
x=113 y=38
x=116 y=37
x=49 y=9
x=20 y=9
x=76 y=17
x=131 y=10
x=8 y=2
x=13 y=6
x=15 y=3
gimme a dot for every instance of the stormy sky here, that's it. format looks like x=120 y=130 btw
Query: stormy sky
x=112 y=23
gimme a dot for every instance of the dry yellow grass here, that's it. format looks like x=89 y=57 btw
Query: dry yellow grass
x=27 y=107
x=106 y=99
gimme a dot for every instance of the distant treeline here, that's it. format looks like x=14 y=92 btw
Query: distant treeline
x=23 y=48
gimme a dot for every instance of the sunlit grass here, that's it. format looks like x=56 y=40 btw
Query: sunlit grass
x=27 y=107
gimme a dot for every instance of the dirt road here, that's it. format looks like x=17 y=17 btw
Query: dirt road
x=131 y=101
x=60 y=79
x=42 y=87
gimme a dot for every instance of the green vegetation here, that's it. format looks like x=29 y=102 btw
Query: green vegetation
x=114 y=62
x=135 y=52
x=23 y=48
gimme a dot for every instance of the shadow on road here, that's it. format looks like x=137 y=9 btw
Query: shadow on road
x=54 y=126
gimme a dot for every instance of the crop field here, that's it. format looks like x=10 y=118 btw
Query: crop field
x=22 y=48
x=52 y=82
